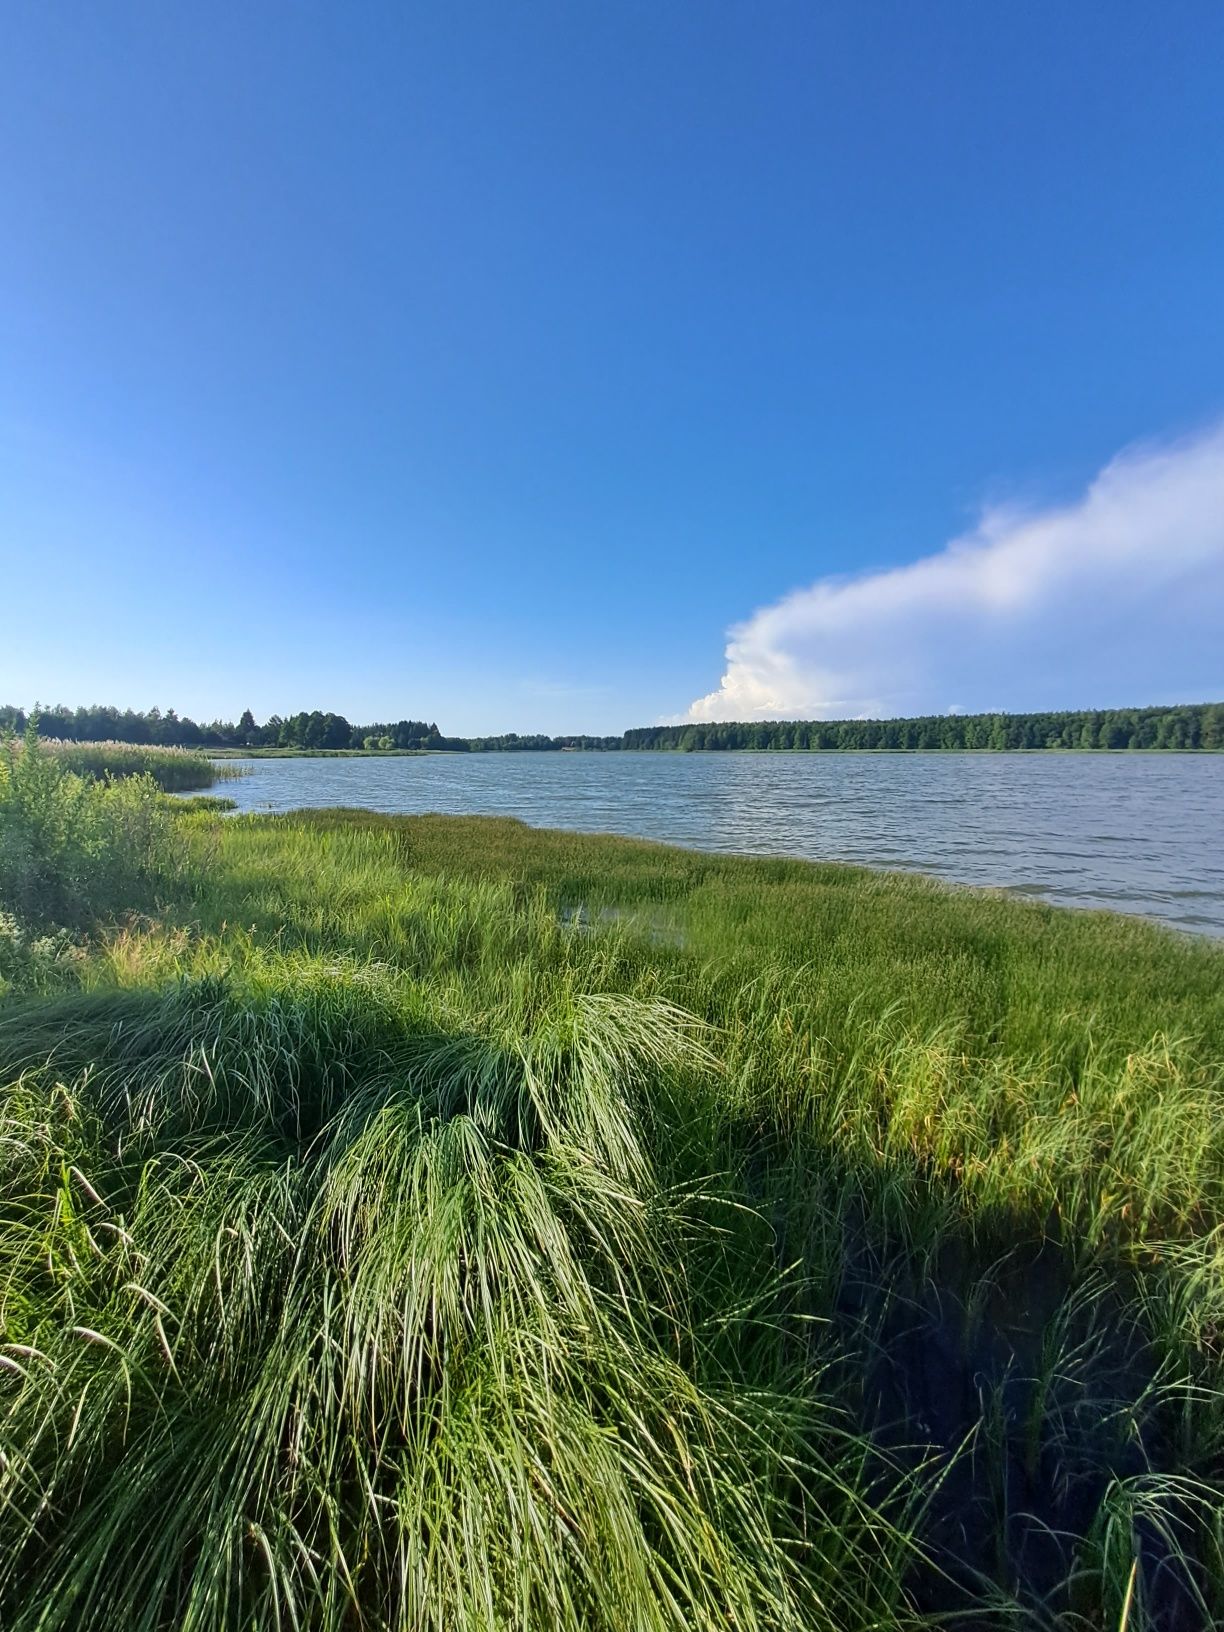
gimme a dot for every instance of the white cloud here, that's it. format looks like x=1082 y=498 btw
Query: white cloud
x=1117 y=598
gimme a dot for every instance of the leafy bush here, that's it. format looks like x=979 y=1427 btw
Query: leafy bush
x=73 y=850
x=30 y=962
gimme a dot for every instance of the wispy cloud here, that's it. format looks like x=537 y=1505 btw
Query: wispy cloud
x=1118 y=597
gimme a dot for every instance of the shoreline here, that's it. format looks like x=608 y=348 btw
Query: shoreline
x=688 y=753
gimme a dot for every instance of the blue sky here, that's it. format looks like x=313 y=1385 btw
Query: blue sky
x=490 y=362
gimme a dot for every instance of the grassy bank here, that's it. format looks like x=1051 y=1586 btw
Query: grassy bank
x=428 y=1222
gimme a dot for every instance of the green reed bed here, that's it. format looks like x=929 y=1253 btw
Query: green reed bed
x=175 y=770
x=426 y=1222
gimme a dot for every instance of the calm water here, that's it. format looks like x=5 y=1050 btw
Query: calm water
x=1141 y=834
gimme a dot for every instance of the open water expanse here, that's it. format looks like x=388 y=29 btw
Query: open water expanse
x=1140 y=833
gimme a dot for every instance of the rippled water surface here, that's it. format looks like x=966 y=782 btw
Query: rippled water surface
x=1138 y=833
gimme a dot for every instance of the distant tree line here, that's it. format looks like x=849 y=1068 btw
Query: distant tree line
x=307 y=730
x=1188 y=725
x=511 y=741
x=313 y=729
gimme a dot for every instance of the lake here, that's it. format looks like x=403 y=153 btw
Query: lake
x=1136 y=833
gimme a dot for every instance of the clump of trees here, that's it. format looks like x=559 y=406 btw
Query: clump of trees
x=319 y=730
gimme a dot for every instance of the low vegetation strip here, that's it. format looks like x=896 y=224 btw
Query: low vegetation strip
x=428 y=1222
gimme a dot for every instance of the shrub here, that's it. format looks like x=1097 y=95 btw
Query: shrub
x=30 y=962
x=73 y=850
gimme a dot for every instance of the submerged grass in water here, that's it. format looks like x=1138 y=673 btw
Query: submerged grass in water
x=385 y=1242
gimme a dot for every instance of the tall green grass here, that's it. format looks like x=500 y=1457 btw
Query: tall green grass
x=426 y=1222
x=324 y=1309
x=175 y=770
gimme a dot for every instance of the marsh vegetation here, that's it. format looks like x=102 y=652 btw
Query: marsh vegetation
x=174 y=770
x=432 y=1222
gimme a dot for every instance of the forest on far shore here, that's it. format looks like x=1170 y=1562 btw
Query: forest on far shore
x=1183 y=726
x=1188 y=725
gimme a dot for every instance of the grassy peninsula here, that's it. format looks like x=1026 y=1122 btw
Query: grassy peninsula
x=430 y=1222
x=174 y=770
